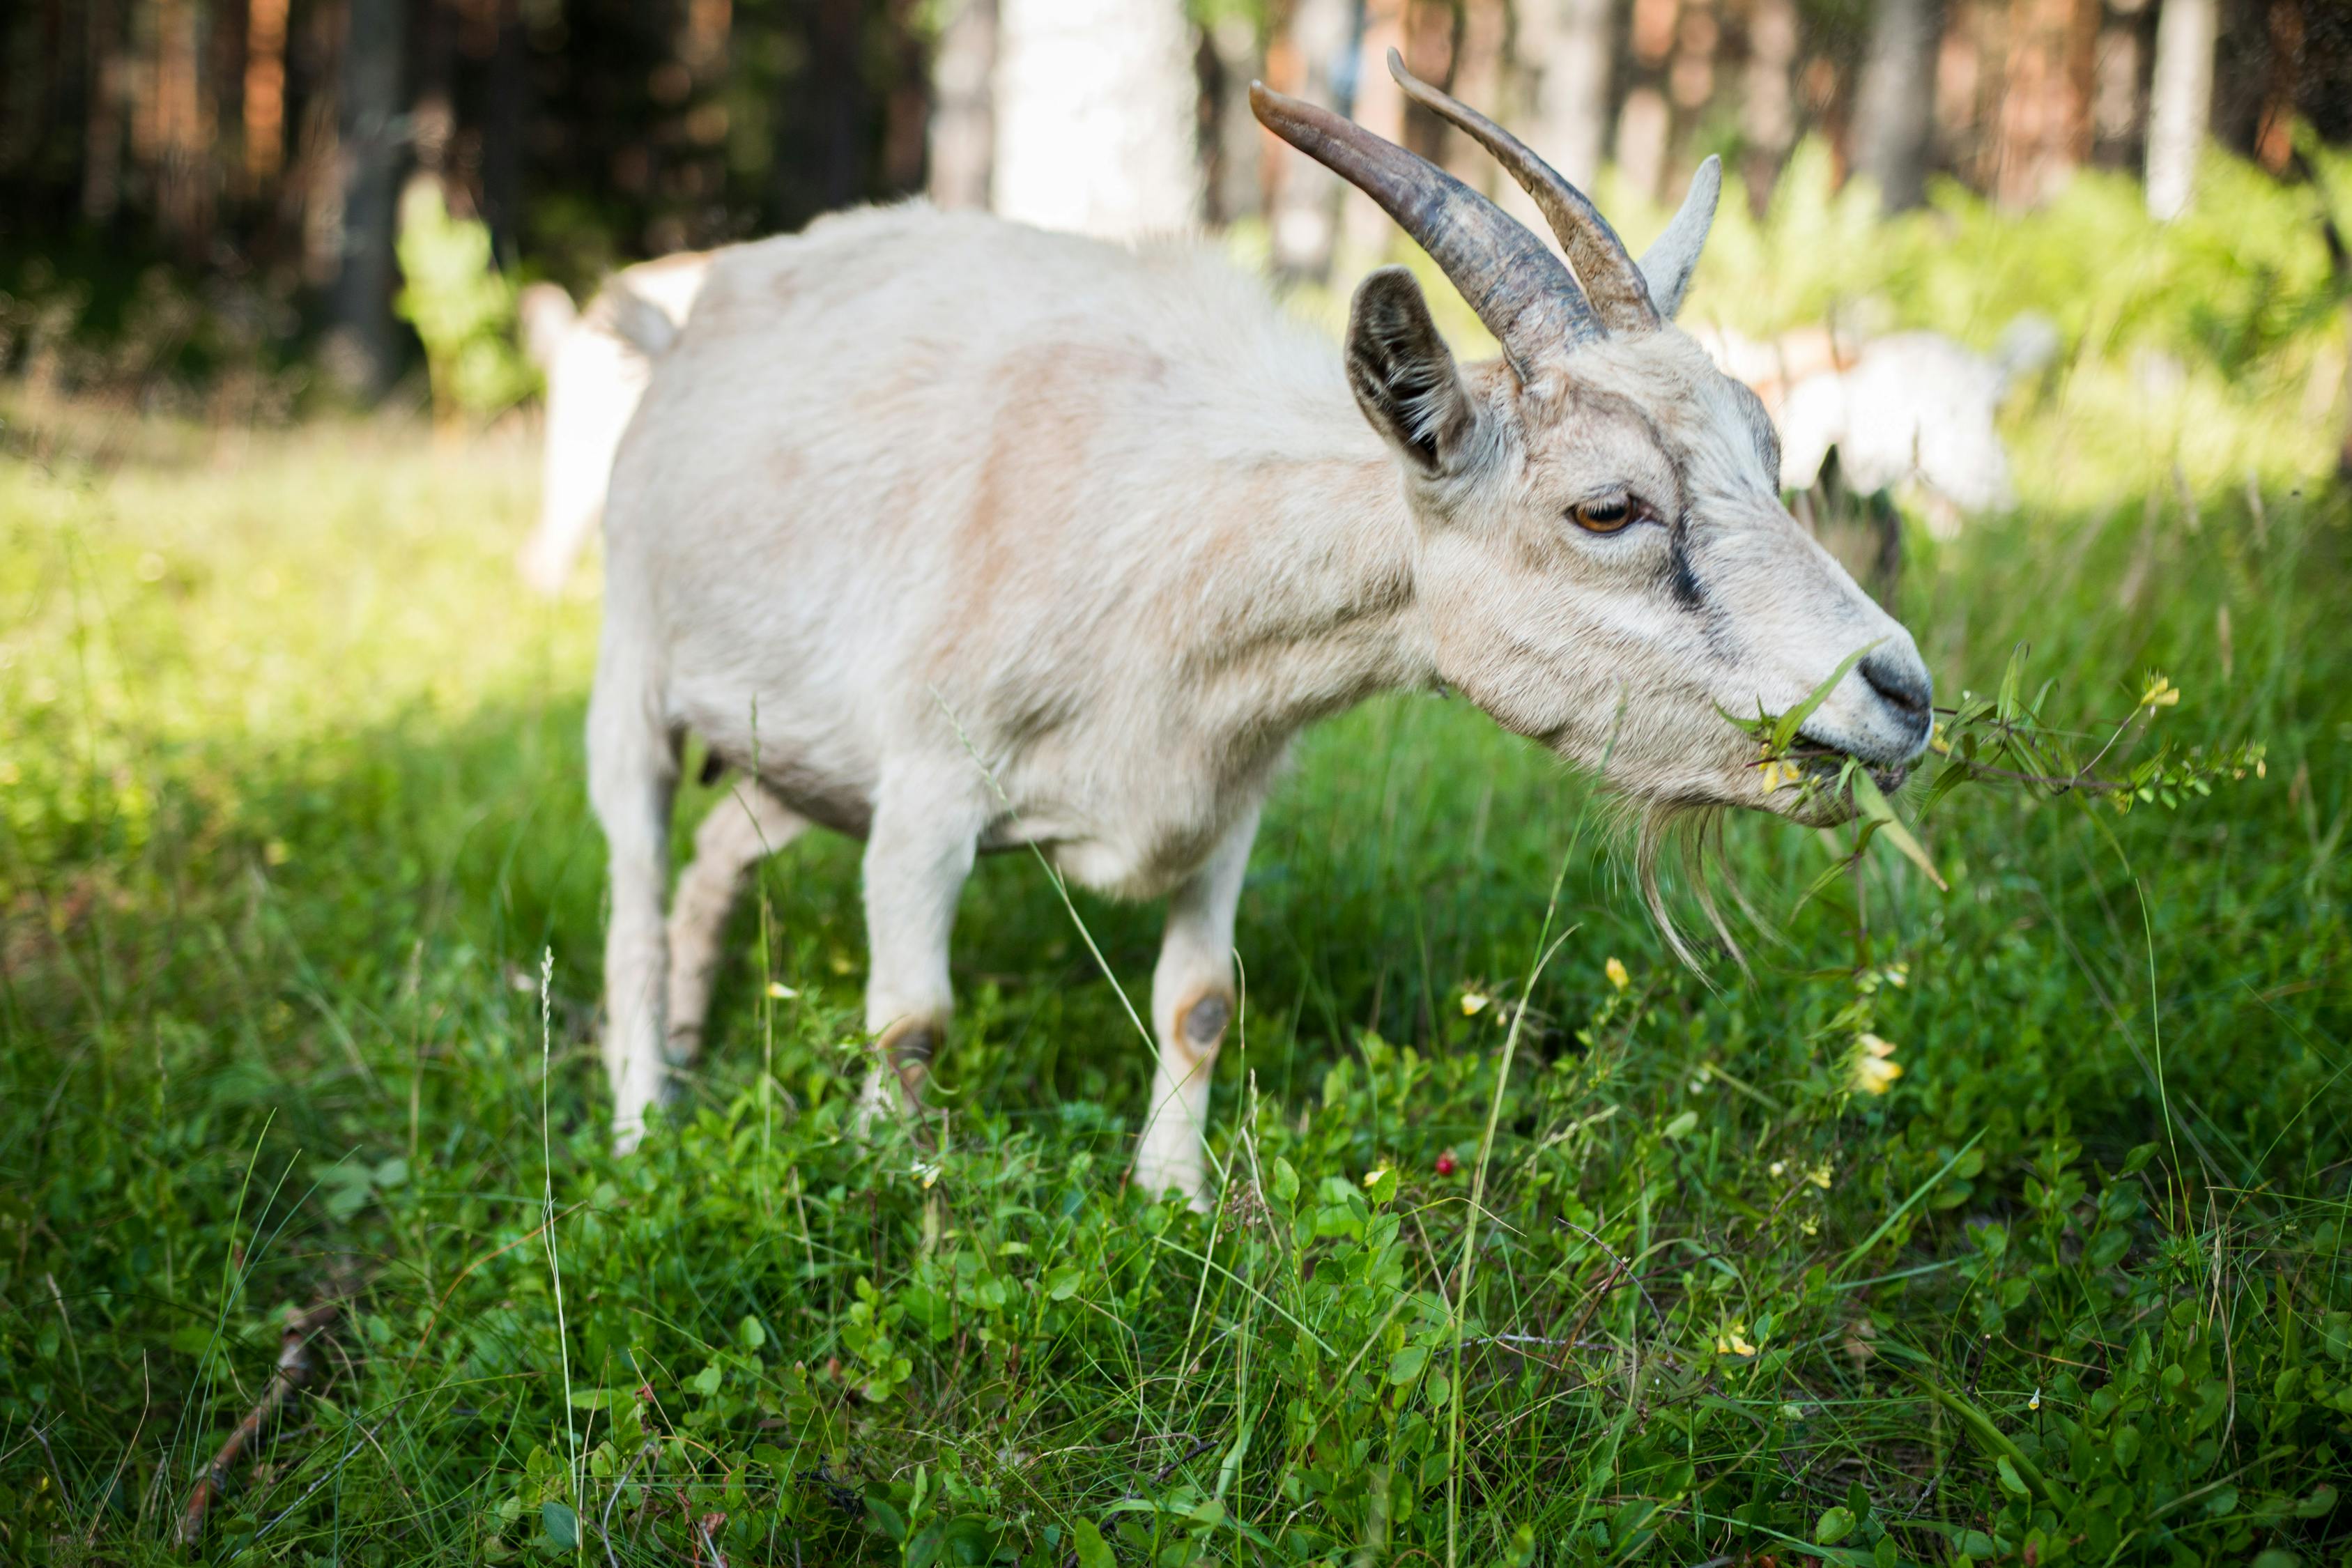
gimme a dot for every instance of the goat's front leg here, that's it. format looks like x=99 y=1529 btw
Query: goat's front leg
x=1192 y=1003
x=918 y=854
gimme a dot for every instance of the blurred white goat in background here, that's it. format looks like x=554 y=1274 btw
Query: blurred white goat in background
x=596 y=363
x=1910 y=406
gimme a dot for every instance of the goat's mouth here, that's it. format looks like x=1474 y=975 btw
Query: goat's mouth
x=1804 y=780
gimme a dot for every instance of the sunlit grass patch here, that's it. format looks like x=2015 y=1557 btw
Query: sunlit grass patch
x=293 y=814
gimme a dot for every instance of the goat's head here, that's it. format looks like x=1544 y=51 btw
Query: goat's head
x=1605 y=563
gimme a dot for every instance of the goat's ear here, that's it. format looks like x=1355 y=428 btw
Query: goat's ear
x=1668 y=266
x=1403 y=374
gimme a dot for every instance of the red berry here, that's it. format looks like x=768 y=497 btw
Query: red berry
x=1446 y=1166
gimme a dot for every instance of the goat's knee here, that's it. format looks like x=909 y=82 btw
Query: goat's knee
x=1170 y=1153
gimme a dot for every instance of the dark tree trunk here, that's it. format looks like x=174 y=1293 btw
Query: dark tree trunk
x=837 y=84
x=505 y=123
x=1893 y=113
x=369 y=134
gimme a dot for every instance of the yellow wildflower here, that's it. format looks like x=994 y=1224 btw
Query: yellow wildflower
x=781 y=991
x=1473 y=1003
x=1871 y=1070
x=2160 y=693
x=1733 y=1340
x=1617 y=975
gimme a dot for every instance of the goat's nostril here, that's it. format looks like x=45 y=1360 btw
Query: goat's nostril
x=1904 y=690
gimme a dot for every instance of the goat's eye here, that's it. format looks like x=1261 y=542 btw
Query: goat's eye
x=1606 y=515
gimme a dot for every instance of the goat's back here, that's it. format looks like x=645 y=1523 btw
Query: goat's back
x=910 y=458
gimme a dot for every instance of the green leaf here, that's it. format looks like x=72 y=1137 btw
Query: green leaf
x=750 y=1334
x=1380 y=1185
x=1785 y=728
x=562 y=1525
x=2005 y=705
x=1834 y=1527
x=1093 y=1551
x=1063 y=1282
x=1873 y=806
x=884 y=1516
x=1680 y=1126
x=1285 y=1181
x=1406 y=1365
x=2011 y=1481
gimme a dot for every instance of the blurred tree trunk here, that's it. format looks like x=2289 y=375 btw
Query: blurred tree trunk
x=2045 y=118
x=1567 y=48
x=506 y=121
x=963 y=111
x=1478 y=81
x=1312 y=59
x=835 y=81
x=2179 y=102
x=903 y=160
x=2117 y=111
x=1893 y=113
x=1380 y=109
x=1236 y=186
x=1645 y=121
x=364 y=352
x=101 y=167
x=264 y=93
x=183 y=129
x=1768 y=109
x=2274 y=131
x=1096 y=116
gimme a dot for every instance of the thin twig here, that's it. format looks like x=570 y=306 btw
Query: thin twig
x=294 y=1367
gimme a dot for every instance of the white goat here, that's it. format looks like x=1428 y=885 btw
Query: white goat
x=1908 y=407
x=958 y=536
x=597 y=365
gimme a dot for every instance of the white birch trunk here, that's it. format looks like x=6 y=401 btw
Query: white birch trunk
x=963 y=111
x=1565 y=47
x=2179 y=102
x=1096 y=116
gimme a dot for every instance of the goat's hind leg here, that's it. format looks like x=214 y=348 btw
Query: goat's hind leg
x=632 y=780
x=741 y=830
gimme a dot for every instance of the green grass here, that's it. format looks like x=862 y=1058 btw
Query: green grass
x=289 y=775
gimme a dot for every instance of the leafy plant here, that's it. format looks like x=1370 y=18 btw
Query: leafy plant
x=461 y=305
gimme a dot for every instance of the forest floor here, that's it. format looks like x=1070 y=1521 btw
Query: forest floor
x=291 y=819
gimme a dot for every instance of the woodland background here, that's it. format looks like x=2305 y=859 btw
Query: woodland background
x=205 y=191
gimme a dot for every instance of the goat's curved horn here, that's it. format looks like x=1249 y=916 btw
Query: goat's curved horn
x=1671 y=259
x=1517 y=287
x=1610 y=279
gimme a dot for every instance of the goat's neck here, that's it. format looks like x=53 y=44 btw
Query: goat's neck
x=1312 y=591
